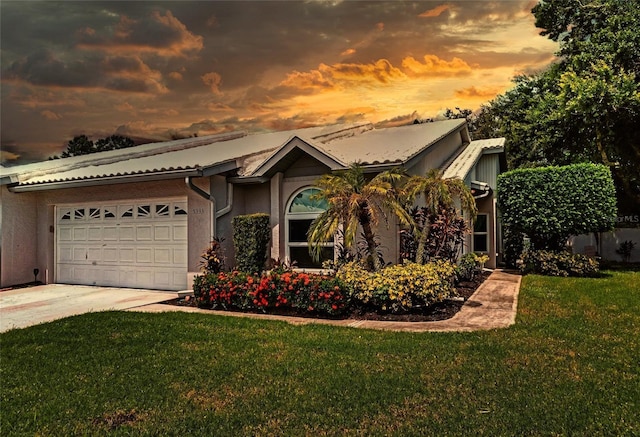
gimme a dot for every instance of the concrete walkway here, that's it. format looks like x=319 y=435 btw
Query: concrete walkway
x=34 y=305
x=492 y=306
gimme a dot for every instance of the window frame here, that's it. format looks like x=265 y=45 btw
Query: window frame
x=484 y=234
x=288 y=216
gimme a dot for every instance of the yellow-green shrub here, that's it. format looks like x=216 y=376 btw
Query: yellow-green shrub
x=399 y=287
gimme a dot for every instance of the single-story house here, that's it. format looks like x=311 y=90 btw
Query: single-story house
x=142 y=217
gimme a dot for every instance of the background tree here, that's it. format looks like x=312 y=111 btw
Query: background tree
x=113 y=142
x=357 y=203
x=82 y=145
x=586 y=106
x=441 y=195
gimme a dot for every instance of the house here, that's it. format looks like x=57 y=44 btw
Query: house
x=141 y=217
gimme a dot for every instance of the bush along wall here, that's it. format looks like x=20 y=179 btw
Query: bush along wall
x=549 y=204
x=251 y=236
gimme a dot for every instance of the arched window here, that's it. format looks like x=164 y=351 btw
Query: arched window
x=302 y=209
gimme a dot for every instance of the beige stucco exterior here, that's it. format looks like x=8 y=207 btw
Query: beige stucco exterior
x=28 y=214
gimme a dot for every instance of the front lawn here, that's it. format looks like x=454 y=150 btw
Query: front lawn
x=570 y=366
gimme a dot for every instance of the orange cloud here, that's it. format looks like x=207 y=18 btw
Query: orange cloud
x=125 y=107
x=213 y=80
x=50 y=115
x=380 y=26
x=348 y=52
x=434 y=66
x=312 y=79
x=478 y=93
x=435 y=12
x=175 y=75
x=380 y=71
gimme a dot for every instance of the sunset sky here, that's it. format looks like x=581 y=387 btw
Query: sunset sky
x=151 y=69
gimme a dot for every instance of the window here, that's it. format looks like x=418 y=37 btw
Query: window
x=302 y=209
x=481 y=233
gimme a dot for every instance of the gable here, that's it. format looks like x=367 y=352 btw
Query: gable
x=296 y=155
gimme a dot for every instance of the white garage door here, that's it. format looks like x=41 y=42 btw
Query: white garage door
x=125 y=244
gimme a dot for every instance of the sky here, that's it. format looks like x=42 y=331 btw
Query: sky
x=158 y=69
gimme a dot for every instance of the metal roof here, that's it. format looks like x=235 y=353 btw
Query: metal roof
x=247 y=154
x=464 y=162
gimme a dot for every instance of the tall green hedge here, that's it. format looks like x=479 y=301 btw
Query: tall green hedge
x=549 y=204
x=251 y=236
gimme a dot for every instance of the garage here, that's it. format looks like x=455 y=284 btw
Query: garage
x=136 y=244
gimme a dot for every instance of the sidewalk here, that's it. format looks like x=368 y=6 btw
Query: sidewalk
x=492 y=306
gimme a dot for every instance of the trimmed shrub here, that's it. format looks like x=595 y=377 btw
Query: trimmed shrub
x=469 y=265
x=251 y=236
x=399 y=288
x=564 y=264
x=549 y=204
x=282 y=290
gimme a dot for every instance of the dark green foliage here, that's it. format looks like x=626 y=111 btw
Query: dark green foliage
x=564 y=264
x=445 y=236
x=82 y=145
x=586 y=106
x=625 y=249
x=212 y=260
x=549 y=204
x=251 y=236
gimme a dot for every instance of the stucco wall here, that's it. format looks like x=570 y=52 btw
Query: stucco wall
x=28 y=227
x=436 y=155
x=609 y=243
x=18 y=242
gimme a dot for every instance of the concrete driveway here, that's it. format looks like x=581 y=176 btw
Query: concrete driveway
x=31 y=306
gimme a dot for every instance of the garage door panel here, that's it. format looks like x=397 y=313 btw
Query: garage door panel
x=162 y=233
x=110 y=254
x=133 y=244
x=64 y=233
x=127 y=255
x=144 y=233
x=179 y=233
x=127 y=233
x=79 y=233
x=94 y=233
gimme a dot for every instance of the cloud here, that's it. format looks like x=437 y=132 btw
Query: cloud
x=160 y=34
x=7 y=157
x=474 y=92
x=115 y=73
x=348 y=52
x=50 y=115
x=176 y=76
x=213 y=80
x=435 y=12
x=380 y=71
x=433 y=66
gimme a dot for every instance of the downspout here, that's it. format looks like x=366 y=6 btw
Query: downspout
x=215 y=215
x=227 y=209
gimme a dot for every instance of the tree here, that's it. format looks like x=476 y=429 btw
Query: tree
x=549 y=204
x=586 y=106
x=355 y=202
x=113 y=142
x=82 y=145
x=440 y=194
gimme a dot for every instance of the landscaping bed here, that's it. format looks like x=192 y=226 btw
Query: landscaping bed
x=437 y=311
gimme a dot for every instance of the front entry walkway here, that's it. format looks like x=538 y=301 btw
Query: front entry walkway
x=492 y=306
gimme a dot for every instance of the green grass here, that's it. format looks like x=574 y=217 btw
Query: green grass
x=570 y=366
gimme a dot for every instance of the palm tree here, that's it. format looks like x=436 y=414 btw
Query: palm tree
x=439 y=194
x=355 y=202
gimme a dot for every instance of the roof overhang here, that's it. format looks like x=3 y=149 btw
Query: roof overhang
x=219 y=168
